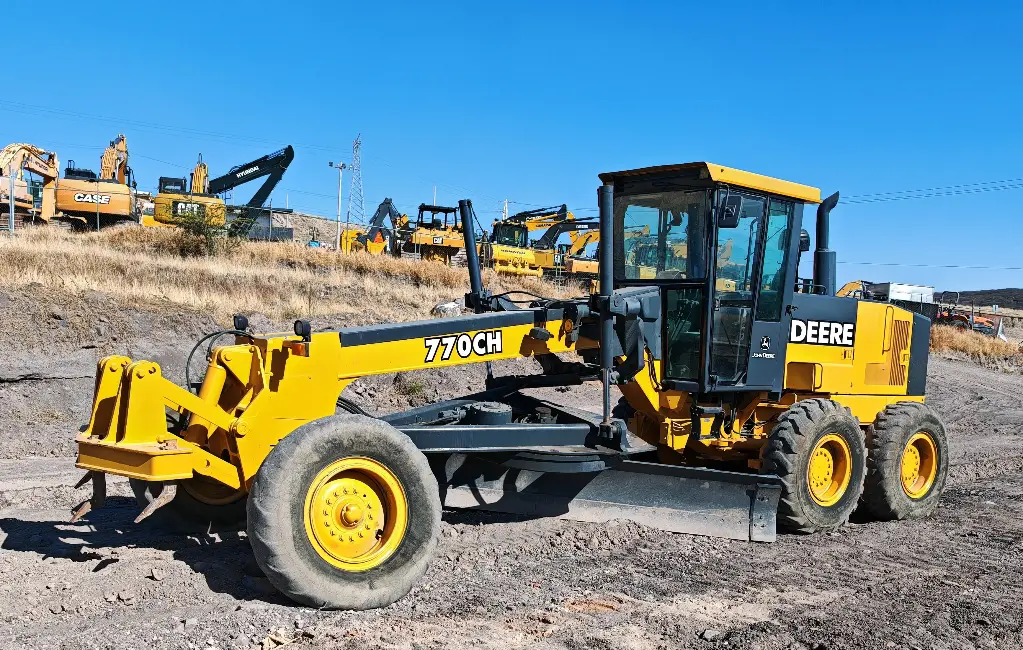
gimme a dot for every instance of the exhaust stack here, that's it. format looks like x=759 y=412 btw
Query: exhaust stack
x=825 y=259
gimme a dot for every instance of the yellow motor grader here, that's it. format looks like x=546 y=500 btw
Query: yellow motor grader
x=759 y=403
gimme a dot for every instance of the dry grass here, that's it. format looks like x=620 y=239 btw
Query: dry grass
x=143 y=267
x=975 y=345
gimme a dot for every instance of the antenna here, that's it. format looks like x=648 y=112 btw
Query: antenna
x=356 y=205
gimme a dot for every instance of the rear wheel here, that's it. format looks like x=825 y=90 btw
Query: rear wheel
x=344 y=514
x=818 y=451
x=908 y=462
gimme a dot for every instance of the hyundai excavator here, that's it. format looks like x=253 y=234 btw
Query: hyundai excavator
x=764 y=405
x=177 y=199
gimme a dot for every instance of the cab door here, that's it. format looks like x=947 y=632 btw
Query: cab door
x=751 y=288
x=734 y=293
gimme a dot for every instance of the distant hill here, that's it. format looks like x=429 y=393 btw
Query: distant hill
x=1009 y=298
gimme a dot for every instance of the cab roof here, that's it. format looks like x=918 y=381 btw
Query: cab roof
x=722 y=174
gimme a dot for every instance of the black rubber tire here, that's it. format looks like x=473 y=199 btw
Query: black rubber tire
x=187 y=514
x=883 y=495
x=787 y=454
x=276 y=524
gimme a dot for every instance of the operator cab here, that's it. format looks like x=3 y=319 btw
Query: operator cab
x=510 y=234
x=718 y=244
x=172 y=185
x=438 y=217
x=78 y=173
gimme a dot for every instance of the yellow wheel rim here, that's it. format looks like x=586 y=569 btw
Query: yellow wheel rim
x=919 y=465
x=829 y=470
x=356 y=513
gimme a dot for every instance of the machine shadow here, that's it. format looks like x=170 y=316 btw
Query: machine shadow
x=223 y=558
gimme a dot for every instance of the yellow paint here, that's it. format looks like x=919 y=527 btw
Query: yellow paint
x=85 y=198
x=876 y=364
x=919 y=466
x=829 y=470
x=732 y=177
x=169 y=207
x=356 y=513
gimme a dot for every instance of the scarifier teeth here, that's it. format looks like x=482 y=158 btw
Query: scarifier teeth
x=166 y=496
x=98 y=498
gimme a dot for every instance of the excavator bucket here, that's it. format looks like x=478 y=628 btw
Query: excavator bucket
x=691 y=500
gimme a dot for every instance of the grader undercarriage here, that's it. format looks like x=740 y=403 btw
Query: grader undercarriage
x=751 y=401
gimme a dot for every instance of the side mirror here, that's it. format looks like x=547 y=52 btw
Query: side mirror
x=804 y=241
x=728 y=215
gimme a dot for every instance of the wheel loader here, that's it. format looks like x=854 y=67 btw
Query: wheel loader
x=762 y=404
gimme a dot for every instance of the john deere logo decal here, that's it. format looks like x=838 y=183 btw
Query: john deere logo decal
x=822 y=332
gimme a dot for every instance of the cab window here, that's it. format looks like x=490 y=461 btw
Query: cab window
x=661 y=235
x=776 y=250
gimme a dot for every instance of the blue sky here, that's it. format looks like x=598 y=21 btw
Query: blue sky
x=530 y=101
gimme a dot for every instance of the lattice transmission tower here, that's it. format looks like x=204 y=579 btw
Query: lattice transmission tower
x=356 y=204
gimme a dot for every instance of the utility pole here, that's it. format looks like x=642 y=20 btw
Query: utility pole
x=435 y=195
x=10 y=199
x=340 y=171
x=504 y=213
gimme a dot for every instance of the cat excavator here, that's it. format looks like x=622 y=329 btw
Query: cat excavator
x=177 y=198
x=765 y=404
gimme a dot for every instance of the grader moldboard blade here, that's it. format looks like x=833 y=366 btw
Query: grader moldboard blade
x=692 y=500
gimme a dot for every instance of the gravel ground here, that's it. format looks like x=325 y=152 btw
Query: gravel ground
x=950 y=581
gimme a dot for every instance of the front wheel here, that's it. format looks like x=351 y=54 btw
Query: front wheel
x=818 y=451
x=344 y=514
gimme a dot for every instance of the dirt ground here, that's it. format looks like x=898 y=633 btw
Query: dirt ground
x=950 y=581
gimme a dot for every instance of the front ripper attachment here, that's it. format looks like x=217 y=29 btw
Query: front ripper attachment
x=98 y=498
x=698 y=501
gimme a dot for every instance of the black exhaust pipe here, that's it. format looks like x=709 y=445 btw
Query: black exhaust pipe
x=824 y=259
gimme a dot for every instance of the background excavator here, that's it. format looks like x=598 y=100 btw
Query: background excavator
x=15 y=160
x=177 y=199
x=507 y=249
x=378 y=236
x=80 y=199
x=86 y=200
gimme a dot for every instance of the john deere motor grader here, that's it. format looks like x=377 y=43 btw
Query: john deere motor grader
x=742 y=408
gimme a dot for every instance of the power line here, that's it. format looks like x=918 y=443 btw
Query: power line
x=937 y=266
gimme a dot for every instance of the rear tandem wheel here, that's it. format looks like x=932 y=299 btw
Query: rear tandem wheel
x=908 y=462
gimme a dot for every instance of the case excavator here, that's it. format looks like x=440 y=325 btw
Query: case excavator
x=81 y=199
x=762 y=405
